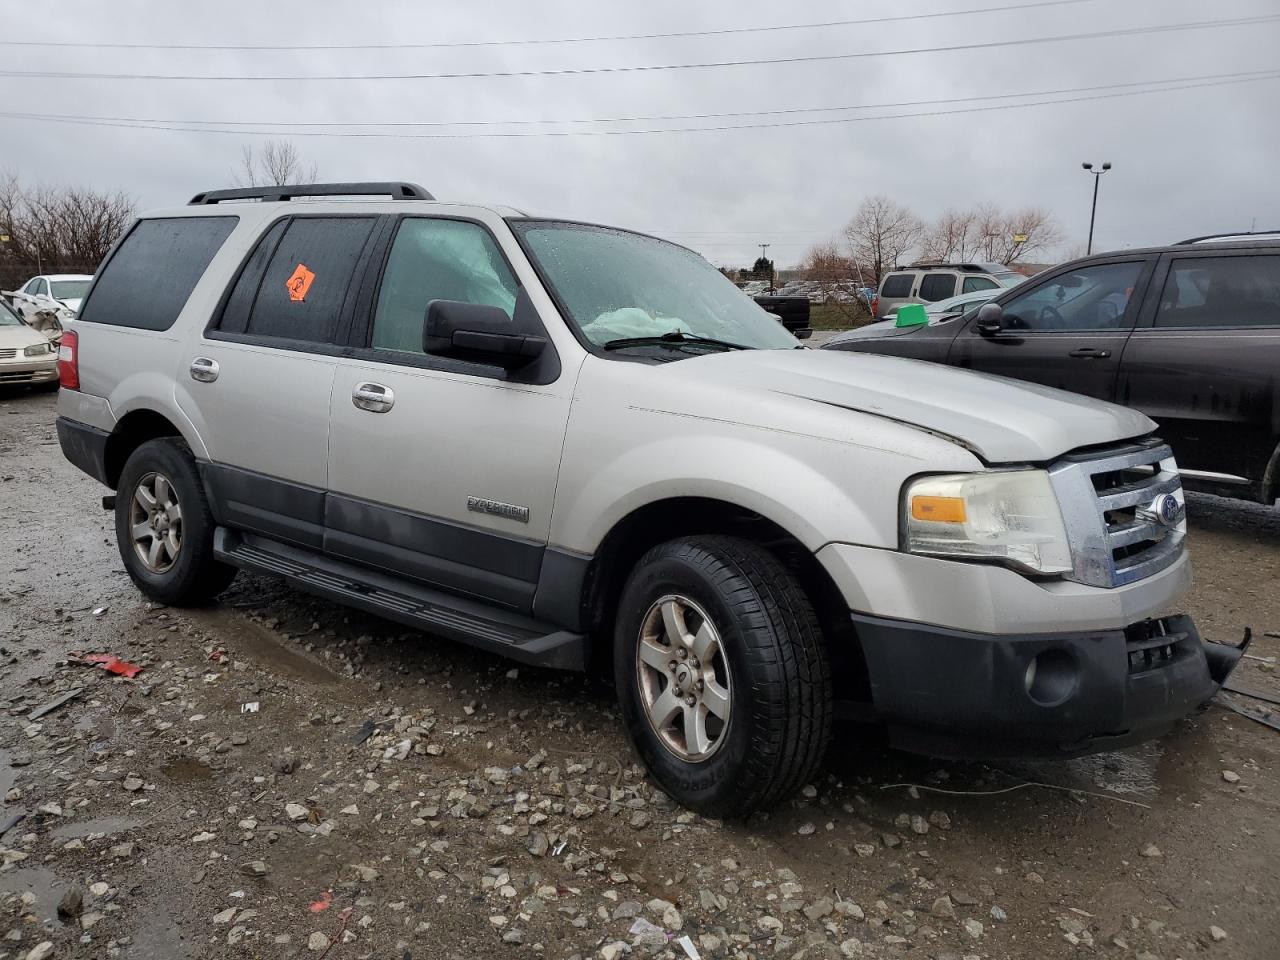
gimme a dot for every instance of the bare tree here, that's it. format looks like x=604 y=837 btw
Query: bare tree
x=952 y=237
x=881 y=233
x=276 y=164
x=50 y=228
x=1009 y=237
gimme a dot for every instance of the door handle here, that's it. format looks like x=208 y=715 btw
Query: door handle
x=204 y=369
x=373 y=397
x=1089 y=353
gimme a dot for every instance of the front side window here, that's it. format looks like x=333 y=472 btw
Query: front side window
x=31 y=286
x=897 y=285
x=42 y=288
x=1221 y=292
x=437 y=260
x=619 y=287
x=937 y=286
x=1091 y=298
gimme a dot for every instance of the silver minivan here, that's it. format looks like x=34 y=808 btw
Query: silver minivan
x=931 y=282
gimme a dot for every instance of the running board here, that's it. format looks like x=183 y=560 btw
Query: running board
x=433 y=611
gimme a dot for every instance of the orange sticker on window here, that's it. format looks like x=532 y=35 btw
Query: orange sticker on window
x=299 y=283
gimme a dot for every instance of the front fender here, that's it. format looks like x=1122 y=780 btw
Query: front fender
x=819 y=490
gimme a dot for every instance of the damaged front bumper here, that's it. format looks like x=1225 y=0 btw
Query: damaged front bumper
x=957 y=693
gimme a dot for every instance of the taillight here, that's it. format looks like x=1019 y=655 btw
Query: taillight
x=69 y=361
x=875 y=306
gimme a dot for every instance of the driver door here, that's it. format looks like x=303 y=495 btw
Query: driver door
x=1067 y=331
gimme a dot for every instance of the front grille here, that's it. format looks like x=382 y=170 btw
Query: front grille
x=25 y=376
x=1124 y=511
x=8 y=353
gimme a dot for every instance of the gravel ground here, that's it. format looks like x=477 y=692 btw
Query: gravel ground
x=397 y=796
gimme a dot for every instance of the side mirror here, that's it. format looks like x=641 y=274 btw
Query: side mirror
x=990 y=318
x=481 y=334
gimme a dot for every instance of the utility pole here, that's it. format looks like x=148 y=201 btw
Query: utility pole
x=764 y=255
x=1093 y=211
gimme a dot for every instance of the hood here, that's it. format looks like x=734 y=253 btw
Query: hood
x=19 y=337
x=877 y=330
x=1001 y=420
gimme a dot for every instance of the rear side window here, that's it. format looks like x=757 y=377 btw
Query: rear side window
x=974 y=284
x=298 y=281
x=897 y=285
x=1221 y=292
x=146 y=282
x=937 y=286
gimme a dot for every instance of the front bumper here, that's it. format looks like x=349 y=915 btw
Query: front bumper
x=957 y=693
x=23 y=371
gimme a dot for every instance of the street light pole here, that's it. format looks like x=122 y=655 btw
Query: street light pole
x=1093 y=211
x=765 y=257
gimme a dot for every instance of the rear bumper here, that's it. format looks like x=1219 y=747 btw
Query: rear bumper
x=84 y=446
x=956 y=693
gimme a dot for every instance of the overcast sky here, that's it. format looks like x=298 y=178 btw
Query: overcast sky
x=1186 y=162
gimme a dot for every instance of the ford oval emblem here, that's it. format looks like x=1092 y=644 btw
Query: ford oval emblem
x=1165 y=509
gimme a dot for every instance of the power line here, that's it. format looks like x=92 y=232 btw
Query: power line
x=524 y=43
x=606 y=133
x=280 y=125
x=649 y=68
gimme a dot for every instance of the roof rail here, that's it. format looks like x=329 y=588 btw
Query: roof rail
x=269 y=194
x=1241 y=235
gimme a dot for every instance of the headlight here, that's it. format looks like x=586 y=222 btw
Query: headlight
x=38 y=350
x=1011 y=517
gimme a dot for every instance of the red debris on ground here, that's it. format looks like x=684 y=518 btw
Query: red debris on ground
x=322 y=904
x=110 y=663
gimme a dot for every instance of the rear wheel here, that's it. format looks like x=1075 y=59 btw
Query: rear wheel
x=721 y=673
x=164 y=528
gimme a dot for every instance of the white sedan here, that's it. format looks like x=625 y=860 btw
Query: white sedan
x=953 y=305
x=60 y=292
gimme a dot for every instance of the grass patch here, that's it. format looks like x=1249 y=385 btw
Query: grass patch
x=838 y=316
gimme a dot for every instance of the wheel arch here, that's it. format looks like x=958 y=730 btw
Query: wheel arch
x=675 y=517
x=131 y=431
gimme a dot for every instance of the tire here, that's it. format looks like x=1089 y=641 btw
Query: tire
x=183 y=571
x=763 y=656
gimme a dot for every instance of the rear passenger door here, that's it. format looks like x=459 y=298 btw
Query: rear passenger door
x=257 y=382
x=1204 y=359
x=443 y=470
x=1067 y=331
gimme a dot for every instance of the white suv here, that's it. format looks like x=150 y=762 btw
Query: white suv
x=574 y=444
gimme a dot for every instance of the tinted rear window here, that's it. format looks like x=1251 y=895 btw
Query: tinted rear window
x=937 y=286
x=148 y=279
x=897 y=285
x=306 y=283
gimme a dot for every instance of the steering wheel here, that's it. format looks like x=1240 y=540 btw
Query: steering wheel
x=1050 y=317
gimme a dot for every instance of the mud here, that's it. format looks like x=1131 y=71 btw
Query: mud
x=1134 y=854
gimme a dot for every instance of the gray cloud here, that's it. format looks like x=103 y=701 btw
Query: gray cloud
x=1185 y=162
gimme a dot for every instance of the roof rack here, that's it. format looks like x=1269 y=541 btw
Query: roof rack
x=270 y=194
x=1241 y=235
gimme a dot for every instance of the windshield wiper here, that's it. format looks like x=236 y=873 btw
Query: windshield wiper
x=672 y=336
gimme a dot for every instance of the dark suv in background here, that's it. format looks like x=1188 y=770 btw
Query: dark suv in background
x=1189 y=334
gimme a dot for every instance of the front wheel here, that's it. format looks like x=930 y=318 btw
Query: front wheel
x=721 y=673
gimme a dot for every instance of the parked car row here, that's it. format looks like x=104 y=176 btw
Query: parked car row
x=1188 y=334
x=932 y=282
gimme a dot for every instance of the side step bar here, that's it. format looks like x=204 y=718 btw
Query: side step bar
x=416 y=605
